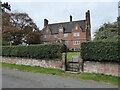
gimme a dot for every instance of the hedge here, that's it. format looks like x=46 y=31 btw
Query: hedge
x=100 y=51
x=48 y=51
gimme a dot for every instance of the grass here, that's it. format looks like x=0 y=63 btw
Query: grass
x=99 y=77
x=59 y=72
x=70 y=54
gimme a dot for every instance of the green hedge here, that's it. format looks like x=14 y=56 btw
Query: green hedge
x=100 y=51
x=49 y=51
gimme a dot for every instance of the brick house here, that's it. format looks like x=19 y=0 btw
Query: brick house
x=72 y=33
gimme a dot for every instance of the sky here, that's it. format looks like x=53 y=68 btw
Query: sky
x=59 y=11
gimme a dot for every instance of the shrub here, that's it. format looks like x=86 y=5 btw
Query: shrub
x=100 y=51
x=49 y=51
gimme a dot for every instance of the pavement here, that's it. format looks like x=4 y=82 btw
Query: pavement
x=19 y=79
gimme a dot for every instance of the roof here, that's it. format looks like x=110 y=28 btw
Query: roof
x=68 y=26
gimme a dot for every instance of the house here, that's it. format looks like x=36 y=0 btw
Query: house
x=72 y=33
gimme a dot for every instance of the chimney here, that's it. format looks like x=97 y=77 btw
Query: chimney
x=88 y=17
x=70 y=18
x=45 y=22
x=88 y=29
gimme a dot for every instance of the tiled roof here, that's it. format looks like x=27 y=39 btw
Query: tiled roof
x=68 y=26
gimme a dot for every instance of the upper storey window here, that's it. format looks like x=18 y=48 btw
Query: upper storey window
x=61 y=30
x=65 y=35
x=56 y=35
x=76 y=34
x=47 y=30
x=76 y=27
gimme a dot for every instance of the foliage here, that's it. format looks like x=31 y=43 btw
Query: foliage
x=19 y=28
x=5 y=5
x=49 y=51
x=100 y=51
x=108 y=31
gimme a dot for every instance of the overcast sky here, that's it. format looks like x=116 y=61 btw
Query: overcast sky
x=101 y=12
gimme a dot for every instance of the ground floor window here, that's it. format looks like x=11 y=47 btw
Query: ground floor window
x=76 y=42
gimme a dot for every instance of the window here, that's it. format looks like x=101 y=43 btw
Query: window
x=46 y=36
x=61 y=30
x=56 y=35
x=76 y=34
x=46 y=42
x=47 y=30
x=66 y=42
x=65 y=35
x=76 y=27
x=76 y=42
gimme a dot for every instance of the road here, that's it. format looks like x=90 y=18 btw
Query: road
x=18 y=79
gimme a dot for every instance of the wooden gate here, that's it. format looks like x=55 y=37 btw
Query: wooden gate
x=74 y=65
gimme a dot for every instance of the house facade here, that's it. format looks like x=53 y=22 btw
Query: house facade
x=72 y=33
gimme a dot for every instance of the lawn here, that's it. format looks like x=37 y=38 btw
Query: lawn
x=70 y=54
x=59 y=72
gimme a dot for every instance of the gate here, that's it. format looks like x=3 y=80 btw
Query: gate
x=74 y=65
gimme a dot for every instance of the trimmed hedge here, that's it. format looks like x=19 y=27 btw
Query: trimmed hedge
x=48 y=51
x=100 y=51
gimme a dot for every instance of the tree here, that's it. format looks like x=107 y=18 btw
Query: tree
x=18 y=27
x=6 y=6
x=108 y=31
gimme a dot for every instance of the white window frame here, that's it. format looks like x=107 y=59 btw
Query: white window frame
x=76 y=34
x=66 y=42
x=46 y=42
x=46 y=36
x=66 y=35
x=76 y=27
x=76 y=42
x=56 y=35
x=47 y=30
x=60 y=30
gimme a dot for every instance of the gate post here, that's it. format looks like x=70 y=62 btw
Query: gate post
x=81 y=65
x=64 y=61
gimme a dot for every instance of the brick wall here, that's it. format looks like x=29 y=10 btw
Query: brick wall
x=101 y=67
x=32 y=62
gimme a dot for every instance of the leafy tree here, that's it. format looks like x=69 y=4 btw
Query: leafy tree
x=6 y=6
x=17 y=28
x=108 y=31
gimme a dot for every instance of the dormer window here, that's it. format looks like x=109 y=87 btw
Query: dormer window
x=60 y=30
x=76 y=27
x=47 y=30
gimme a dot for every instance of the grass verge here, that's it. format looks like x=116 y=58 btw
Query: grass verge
x=86 y=76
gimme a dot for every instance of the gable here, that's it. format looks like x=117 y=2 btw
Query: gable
x=67 y=26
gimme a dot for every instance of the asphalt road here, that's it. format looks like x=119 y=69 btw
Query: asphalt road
x=18 y=79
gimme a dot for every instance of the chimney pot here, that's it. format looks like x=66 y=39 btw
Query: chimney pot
x=45 y=22
x=70 y=18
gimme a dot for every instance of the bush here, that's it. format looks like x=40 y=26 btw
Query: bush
x=49 y=51
x=100 y=51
